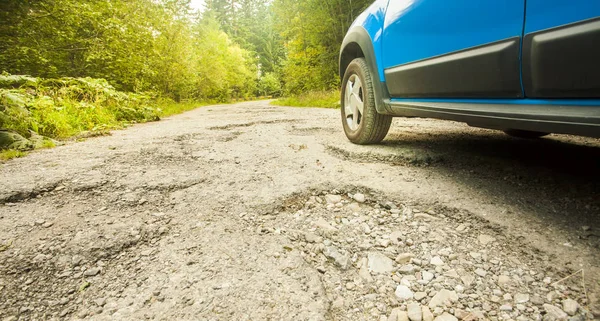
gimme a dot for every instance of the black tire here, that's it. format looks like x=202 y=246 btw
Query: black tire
x=373 y=127
x=525 y=133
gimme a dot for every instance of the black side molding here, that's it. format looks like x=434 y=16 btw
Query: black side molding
x=563 y=62
x=490 y=71
x=560 y=119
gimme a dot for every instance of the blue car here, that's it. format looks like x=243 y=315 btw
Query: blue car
x=527 y=67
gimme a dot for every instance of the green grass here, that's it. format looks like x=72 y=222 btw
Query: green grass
x=10 y=154
x=322 y=99
x=168 y=107
x=73 y=108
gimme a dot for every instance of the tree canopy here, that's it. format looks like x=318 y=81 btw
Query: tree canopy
x=233 y=48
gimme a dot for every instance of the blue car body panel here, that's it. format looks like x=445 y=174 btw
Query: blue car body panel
x=546 y=14
x=420 y=29
x=512 y=64
x=372 y=20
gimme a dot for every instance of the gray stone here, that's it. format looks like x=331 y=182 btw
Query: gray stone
x=100 y=302
x=506 y=307
x=359 y=197
x=503 y=280
x=414 y=312
x=403 y=293
x=485 y=239
x=324 y=225
x=420 y=295
x=379 y=263
x=333 y=199
x=403 y=258
x=427 y=276
x=407 y=269
x=446 y=317
x=92 y=271
x=442 y=298
x=341 y=260
x=521 y=298
x=452 y=274
x=427 y=315
x=481 y=272
x=554 y=313
x=570 y=306
x=436 y=260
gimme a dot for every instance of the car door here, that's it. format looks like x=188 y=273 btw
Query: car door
x=561 y=49
x=451 y=49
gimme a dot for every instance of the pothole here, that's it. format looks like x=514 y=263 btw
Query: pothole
x=396 y=156
x=379 y=258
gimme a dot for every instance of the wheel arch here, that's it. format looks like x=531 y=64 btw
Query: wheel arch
x=358 y=44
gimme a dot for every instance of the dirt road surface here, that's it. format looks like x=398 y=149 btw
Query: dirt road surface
x=256 y=212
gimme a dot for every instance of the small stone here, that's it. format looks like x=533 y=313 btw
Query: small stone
x=333 y=199
x=461 y=314
x=506 y=307
x=404 y=258
x=407 y=269
x=452 y=274
x=39 y=222
x=467 y=279
x=554 y=313
x=503 y=280
x=402 y=316
x=379 y=263
x=324 y=225
x=414 y=312
x=100 y=302
x=394 y=315
x=442 y=298
x=359 y=197
x=481 y=272
x=485 y=239
x=427 y=315
x=446 y=317
x=570 y=306
x=338 y=303
x=82 y=314
x=341 y=260
x=92 y=271
x=403 y=293
x=47 y=225
x=420 y=295
x=427 y=276
x=436 y=260
x=521 y=298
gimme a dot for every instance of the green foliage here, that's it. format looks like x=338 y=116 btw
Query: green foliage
x=65 y=107
x=322 y=99
x=11 y=153
x=313 y=31
x=137 y=46
x=269 y=85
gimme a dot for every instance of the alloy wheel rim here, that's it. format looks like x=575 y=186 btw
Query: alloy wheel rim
x=354 y=102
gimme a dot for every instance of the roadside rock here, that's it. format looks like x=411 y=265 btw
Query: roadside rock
x=554 y=313
x=442 y=298
x=341 y=260
x=414 y=312
x=570 y=306
x=403 y=293
x=333 y=199
x=359 y=197
x=379 y=263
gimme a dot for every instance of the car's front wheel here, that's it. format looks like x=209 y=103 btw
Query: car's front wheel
x=362 y=124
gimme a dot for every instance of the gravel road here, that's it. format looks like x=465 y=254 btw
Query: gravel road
x=256 y=212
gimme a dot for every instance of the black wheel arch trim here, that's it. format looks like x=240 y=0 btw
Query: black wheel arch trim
x=358 y=38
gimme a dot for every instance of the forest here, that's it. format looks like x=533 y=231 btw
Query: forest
x=70 y=66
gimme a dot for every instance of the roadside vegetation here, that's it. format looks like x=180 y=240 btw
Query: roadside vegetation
x=118 y=63
x=322 y=99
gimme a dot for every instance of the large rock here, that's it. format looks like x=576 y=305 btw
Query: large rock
x=340 y=259
x=442 y=298
x=554 y=313
x=403 y=293
x=379 y=263
x=414 y=312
